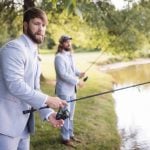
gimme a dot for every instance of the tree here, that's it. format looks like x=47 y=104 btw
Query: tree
x=28 y=4
x=93 y=24
x=10 y=16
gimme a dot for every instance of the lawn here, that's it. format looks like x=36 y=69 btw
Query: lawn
x=95 y=120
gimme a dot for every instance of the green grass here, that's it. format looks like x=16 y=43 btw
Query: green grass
x=95 y=119
x=46 y=51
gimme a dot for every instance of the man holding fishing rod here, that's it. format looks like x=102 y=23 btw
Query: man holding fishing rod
x=19 y=85
x=67 y=80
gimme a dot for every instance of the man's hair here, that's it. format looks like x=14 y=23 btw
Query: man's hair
x=60 y=48
x=32 y=13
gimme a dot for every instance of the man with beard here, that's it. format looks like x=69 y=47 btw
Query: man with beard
x=67 y=78
x=20 y=85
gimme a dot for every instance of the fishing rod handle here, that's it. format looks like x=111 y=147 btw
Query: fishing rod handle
x=28 y=111
x=32 y=110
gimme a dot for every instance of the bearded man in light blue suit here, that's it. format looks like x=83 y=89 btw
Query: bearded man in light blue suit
x=67 y=78
x=20 y=87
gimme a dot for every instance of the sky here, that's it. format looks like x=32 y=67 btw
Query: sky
x=120 y=4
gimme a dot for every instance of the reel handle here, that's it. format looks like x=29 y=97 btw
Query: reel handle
x=85 y=79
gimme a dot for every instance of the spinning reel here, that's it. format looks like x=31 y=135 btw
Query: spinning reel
x=62 y=114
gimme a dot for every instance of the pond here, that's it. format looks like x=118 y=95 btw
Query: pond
x=132 y=106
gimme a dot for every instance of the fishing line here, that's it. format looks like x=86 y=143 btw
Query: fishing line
x=91 y=65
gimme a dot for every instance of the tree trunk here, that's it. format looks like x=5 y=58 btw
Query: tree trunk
x=28 y=4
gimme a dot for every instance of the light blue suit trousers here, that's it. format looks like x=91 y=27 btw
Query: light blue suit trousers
x=15 y=143
x=67 y=130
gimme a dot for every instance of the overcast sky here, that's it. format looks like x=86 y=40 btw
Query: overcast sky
x=120 y=4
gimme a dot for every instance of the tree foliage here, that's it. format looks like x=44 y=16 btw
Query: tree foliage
x=92 y=24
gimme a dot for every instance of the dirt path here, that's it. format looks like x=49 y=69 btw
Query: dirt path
x=124 y=64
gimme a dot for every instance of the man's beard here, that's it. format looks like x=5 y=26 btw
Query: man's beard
x=67 y=49
x=33 y=36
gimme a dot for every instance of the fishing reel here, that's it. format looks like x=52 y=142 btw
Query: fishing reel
x=85 y=78
x=62 y=114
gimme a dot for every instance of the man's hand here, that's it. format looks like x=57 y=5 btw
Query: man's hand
x=82 y=74
x=55 y=102
x=81 y=83
x=55 y=123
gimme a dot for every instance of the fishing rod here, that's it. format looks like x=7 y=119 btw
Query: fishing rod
x=89 y=96
x=91 y=65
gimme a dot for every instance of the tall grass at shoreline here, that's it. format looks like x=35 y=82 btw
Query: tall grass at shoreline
x=95 y=120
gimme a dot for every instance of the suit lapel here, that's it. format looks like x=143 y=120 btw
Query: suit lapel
x=72 y=63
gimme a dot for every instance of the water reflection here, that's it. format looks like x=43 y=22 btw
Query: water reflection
x=131 y=74
x=133 y=107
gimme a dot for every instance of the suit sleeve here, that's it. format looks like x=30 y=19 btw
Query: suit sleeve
x=77 y=72
x=61 y=71
x=13 y=63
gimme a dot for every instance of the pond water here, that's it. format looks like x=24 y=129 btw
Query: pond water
x=133 y=106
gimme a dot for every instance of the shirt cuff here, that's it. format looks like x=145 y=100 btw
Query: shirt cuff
x=51 y=110
x=77 y=81
x=49 y=115
x=45 y=101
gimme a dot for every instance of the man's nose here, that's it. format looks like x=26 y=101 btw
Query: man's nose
x=41 y=28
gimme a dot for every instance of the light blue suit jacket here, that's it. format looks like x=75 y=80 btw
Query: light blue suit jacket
x=66 y=74
x=19 y=87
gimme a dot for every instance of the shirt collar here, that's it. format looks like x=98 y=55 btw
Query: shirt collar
x=31 y=44
x=68 y=53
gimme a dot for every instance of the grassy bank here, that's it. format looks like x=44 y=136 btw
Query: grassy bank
x=95 y=119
